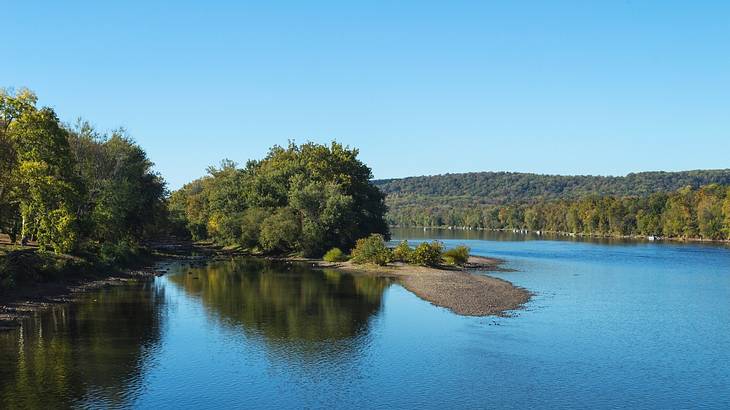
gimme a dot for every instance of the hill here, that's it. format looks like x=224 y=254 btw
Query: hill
x=500 y=188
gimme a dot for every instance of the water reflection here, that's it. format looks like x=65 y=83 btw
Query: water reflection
x=417 y=234
x=91 y=352
x=285 y=303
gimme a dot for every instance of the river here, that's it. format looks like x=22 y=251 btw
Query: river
x=613 y=324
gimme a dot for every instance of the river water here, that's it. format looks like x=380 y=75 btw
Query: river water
x=614 y=324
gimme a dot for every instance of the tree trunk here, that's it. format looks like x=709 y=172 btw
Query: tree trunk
x=22 y=229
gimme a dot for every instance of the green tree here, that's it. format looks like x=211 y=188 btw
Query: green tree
x=679 y=219
x=324 y=191
x=709 y=211
x=726 y=213
x=46 y=189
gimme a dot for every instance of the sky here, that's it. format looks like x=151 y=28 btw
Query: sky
x=420 y=88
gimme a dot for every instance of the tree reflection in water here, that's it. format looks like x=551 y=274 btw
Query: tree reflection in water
x=90 y=352
x=287 y=304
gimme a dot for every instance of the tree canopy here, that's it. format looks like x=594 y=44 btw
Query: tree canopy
x=301 y=198
x=70 y=187
x=702 y=213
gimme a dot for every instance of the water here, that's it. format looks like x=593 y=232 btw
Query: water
x=615 y=324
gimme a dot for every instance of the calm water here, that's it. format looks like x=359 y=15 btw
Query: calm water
x=614 y=325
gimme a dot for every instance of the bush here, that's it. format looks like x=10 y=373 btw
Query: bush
x=427 y=254
x=457 y=256
x=371 y=250
x=334 y=255
x=402 y=252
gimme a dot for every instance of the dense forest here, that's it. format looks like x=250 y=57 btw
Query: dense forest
x=503 y=188
x=72 y=189
x=688 y=204
x=300 y=198
x=685 y=213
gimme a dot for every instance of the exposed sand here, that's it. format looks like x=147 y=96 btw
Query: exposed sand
x=458 y=290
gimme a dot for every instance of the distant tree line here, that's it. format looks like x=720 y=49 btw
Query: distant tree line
x=71 y=188
x=304 y=199
x=503 y=188
x=688 y=212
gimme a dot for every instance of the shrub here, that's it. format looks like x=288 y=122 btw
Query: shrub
x=334 y=255
x=371 y=250
x=427 y=254
x=457 y=256
x=402 y=252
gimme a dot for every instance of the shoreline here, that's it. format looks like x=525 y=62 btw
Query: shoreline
x=457 y=289
x=643 y=238
x=20 y=303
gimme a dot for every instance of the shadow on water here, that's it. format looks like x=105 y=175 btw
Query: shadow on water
x=89 y=352
x=290 y=307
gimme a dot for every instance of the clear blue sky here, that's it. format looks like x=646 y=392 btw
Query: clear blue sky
x=580 y=87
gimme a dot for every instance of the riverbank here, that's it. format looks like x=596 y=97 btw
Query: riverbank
x=562 y=234
x=457 y=289
x=33 y=281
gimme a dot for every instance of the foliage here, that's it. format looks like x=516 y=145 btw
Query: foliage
x=428 y=254
x=458 y=255
x=303 y=198
x=335 y=255
x=280 y=232
x=402 y=252
x=702 y=213
x=503 y=188
x=67 y=186
x=371 y=249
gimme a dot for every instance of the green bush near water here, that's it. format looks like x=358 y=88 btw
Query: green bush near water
x=335 y=255
x=402 y=252
x=428 y=254
x=457 y=256
x=372 y=250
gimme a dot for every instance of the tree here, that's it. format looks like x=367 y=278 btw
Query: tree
x=726 y=213
x=46 y=189
x=709 y=211
x=322 y=193
x=12 y=106
x=678 y=219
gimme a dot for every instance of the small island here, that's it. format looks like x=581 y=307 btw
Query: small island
x=456 y=289
x=444 y=278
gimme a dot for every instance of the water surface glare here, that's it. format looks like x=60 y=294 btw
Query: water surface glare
x=614 y=324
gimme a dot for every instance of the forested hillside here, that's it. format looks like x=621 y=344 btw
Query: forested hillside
x=692 y=204
x=512 y=187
